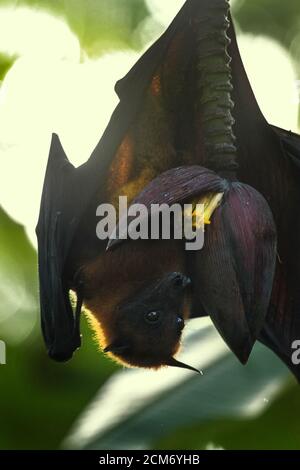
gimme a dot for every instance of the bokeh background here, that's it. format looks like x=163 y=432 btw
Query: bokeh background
x=59 y=61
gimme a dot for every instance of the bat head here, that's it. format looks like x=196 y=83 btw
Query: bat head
x=148 y=325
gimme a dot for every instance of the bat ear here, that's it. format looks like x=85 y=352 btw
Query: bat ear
x=171 y=187
x=235 y=269
x=116 y=348
x=174 y=363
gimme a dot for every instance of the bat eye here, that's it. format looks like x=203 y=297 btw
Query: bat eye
x=152 y=317
x=180 y=323
x=180 y=280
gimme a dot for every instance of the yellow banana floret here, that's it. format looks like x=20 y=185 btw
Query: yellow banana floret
x=209 y=203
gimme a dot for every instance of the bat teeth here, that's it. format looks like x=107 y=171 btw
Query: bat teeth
x=236 y=267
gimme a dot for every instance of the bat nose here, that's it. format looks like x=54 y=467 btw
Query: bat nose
x=180 y=280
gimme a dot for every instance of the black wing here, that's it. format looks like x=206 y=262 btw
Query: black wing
x=155 y=127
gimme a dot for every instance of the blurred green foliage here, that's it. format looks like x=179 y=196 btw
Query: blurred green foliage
x=276 y=428
x=195 y=411
x=5 y=64
x=274 y=18
x=100 y=25
x=41 y=400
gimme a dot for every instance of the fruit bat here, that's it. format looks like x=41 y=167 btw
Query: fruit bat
x=187 y=128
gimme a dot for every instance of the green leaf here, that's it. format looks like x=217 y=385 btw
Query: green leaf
x=140 y=409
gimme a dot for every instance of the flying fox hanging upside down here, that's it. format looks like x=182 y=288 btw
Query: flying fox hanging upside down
x=187 y=129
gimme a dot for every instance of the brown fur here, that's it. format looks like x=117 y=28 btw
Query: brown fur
x=114 y=276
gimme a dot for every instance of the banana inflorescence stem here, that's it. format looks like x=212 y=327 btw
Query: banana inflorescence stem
x=215 y=86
